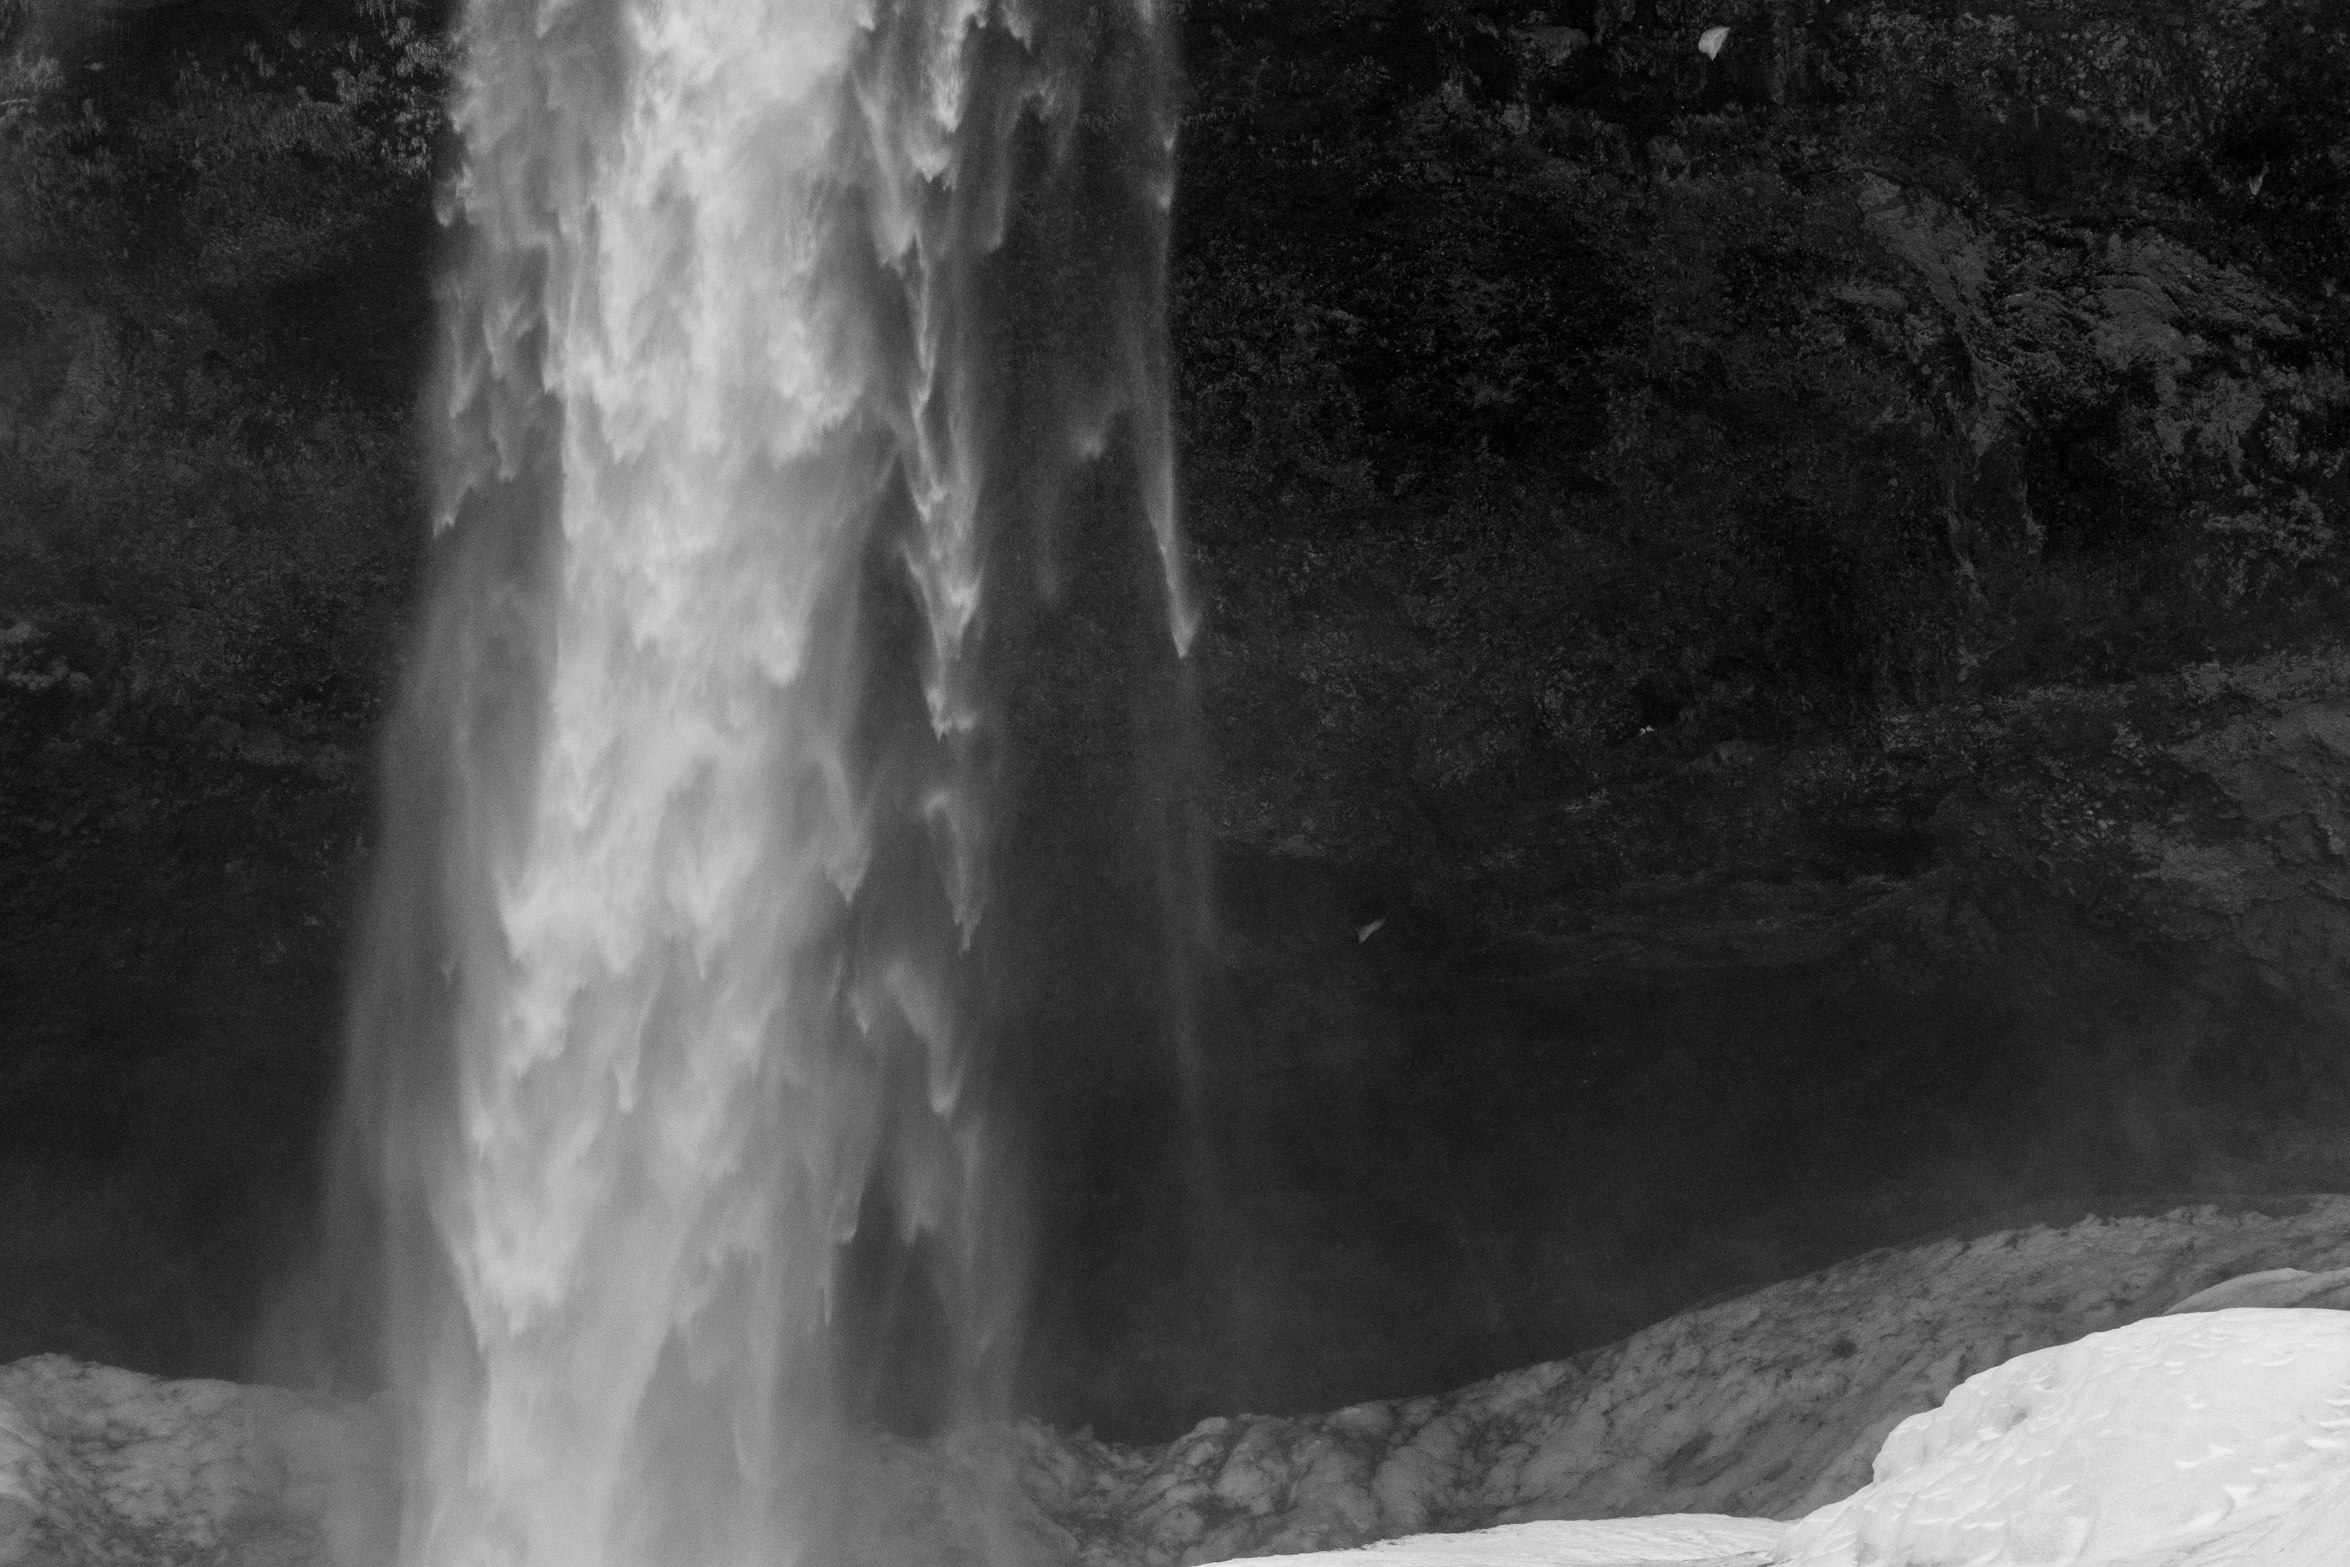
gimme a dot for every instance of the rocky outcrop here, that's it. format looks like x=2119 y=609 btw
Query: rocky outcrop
x=1816 y=568
x=2276 y=1289
x=107 y=1468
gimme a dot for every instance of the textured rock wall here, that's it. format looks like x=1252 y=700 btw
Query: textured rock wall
x=101 y=1467
x=1801 y=584
x=1763 y=556
x=1662 y=408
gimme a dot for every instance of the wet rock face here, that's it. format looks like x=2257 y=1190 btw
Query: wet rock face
x=1799 y=582
x=101 y=1467
x=1948 y=357
x=1789 y=587
x=2073 y=940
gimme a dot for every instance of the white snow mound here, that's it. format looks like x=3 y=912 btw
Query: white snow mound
x=1678 y=1540
x=2213 y=1440
x=2219 y=1437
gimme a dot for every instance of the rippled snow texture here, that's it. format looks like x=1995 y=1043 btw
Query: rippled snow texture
x=2135 y=1446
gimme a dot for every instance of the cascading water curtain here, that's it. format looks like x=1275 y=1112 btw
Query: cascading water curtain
x=773 y=328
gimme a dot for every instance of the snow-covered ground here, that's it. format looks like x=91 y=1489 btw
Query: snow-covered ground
x=1683 y=1539
x=2211 y=1439
x=2162 y=1441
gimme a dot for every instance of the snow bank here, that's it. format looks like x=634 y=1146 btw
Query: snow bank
x=2219 y=1439
x=2139 y=1445
x=1682 y=1539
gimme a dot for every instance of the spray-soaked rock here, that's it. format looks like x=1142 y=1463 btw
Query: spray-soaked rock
x=101 y=1467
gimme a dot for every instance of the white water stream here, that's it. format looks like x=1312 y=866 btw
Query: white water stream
x=674 y=961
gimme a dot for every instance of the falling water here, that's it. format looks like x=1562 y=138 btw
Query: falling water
x=779 y=337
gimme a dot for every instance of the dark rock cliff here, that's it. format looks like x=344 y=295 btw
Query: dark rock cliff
x=1771 y=671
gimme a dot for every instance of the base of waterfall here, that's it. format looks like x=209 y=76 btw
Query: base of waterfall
x=2165 y=1390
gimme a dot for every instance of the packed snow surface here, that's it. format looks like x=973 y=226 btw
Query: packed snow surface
x=2216 y=1439
x=1684 y=1539
x=2142 y=1445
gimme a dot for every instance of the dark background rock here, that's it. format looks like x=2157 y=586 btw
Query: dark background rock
x=1799 y=586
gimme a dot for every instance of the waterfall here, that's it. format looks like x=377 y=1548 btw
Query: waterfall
x=780 y=334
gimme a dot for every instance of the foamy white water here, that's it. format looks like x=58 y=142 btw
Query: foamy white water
x=672 y=965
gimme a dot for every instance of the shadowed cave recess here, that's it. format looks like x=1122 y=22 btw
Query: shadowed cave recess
x=1767 y=679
